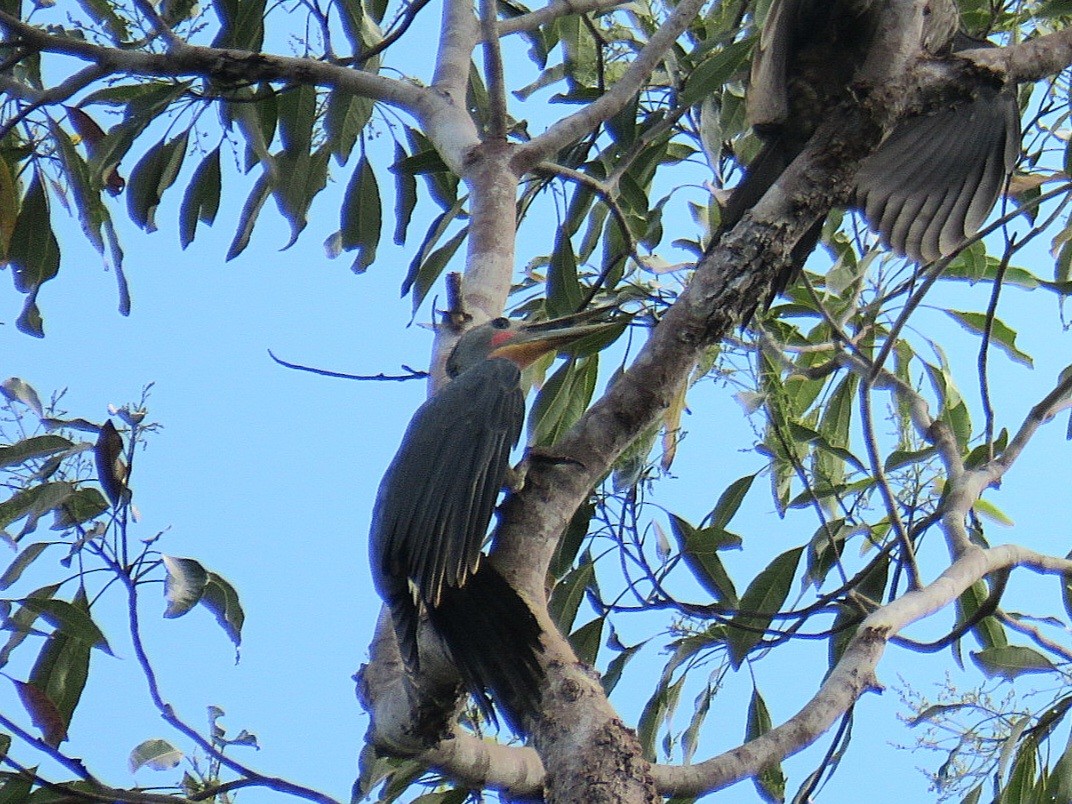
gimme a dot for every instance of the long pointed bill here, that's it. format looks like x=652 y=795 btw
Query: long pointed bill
x=531 y=341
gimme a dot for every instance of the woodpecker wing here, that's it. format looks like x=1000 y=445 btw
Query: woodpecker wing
x=933 y=182
x=437 y=497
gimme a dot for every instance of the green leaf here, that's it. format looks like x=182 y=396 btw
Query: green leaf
x=73 y=620
x=257 y=115
x=617 y=666
x=435 y=231
x=989 y=510
x=771 y=781
x=183 y=586
x=900 y=458
x=760 y=602
x=568 y=593
x=570 y=543
x=442 y=184
x=16 y=789
x=83 y=505
x=1059 y=784
x=257 y=196
x=157 y=754
x=155 y=172
x=241 y=24
x=142 y=110
x=989 y=631
x=659 y=709
x=25 y=557
x=362 y=216
x=587 y=639
x=33 y=503
x=201 y=201
x=297 y=113
x=699 y=548
x=305 y=176
x=33 y=447
x=730 y=501
x=34 y=252
x=9 y=206
x=21 y=623
x=347 y=115
x=1000 y=334
x=62 y=667
x=564 y=295
x=103 y=12
x=221 y=598
x=14 y=389
x=563 y=400
x=712 y=74
x=405 y=197
x=43 y=713
x=429 y=270
x=1011 y=661
x=86 y=189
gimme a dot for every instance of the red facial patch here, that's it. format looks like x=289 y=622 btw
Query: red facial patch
x=500 y=338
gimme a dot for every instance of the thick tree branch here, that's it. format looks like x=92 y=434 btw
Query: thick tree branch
x=442 y=116
x=577 y=125
x=1032 y=60
x=458 y=37
x=493 y=71
x=966 y=486
x=854 y=673
x=553 y=11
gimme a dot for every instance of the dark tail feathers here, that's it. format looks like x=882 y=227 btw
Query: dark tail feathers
x=494 y=640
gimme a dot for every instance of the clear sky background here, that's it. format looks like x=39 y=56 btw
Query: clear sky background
x=267 y=477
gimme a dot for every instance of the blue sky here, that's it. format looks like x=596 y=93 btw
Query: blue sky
x=267 y=476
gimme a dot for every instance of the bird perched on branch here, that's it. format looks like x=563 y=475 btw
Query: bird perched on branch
x=931 y=184
x=434 y=506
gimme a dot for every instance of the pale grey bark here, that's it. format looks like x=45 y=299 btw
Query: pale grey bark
x=589 y=754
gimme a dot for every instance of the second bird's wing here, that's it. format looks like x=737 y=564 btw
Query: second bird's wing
x=932 y=183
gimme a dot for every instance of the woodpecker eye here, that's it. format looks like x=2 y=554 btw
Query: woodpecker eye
x=501 y=323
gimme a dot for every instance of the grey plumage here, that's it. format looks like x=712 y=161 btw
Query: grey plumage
x=434 y=506
x=931 y=183
x=431 y=516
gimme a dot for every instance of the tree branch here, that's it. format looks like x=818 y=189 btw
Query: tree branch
x=572 y=128
x=853 y=675
x=439 y=113
x=553 y=11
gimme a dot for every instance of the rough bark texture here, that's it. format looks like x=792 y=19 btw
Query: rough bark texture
x=589 y=754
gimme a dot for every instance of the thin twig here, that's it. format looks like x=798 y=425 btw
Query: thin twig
x=159 y=24
x=870 y=442
x=411 y=373
x=553 y=11
x=173 y=720
x=106 y=794
x=57 y=94
x=1044 y=642
x=984 y=347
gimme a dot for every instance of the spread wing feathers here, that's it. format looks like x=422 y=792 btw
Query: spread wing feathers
x=494 y=640
x=933 y=182
x=437 y=497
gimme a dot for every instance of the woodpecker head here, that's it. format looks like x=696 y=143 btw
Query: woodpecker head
x=521 y=342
